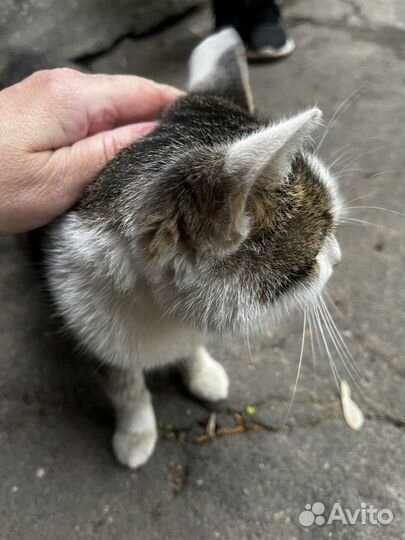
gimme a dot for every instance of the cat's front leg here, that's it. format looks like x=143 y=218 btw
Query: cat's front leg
x=135 y=434
x=205 y=377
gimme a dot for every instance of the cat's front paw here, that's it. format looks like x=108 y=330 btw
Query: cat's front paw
x=207 y=379
x=134 y=449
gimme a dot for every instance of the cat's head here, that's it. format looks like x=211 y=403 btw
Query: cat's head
x=241 y=226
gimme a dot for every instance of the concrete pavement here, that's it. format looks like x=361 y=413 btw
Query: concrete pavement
x=58 y=475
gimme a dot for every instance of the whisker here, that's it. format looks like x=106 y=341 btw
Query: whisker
x=348 y=172
x=250 y=351
x=359 y=198
x=350 y=368
x=350 y=220
x=340 y=111
x=340 y=337
x=382 y=173
x=299 y=367
x=340 y=156
x=376 y=208
x=310 y=325
x=351 y=143
x=362 y=155
x=335 y=372
x=334 y=304
x=337 y=348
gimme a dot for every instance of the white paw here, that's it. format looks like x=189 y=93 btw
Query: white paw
x=134 y=449
x=207 y=379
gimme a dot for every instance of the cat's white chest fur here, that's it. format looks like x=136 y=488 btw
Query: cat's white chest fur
x=95 y=284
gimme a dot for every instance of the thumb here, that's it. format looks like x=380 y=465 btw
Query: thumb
x=80 y=163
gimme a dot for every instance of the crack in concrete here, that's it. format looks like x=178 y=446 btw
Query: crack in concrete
x=250 y=423
x=333 y=411
x=87 y=58
x=387 y=418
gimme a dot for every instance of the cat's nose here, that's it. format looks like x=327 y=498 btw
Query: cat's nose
x=335 y=255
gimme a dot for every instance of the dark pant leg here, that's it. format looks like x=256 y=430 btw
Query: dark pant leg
x=229 y=13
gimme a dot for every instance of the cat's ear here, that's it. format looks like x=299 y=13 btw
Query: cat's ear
x=218 y=66
x=214 y=207
x=211 y=210
x=204 y=216
x=270 y=151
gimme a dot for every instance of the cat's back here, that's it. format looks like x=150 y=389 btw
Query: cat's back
x=191 y=123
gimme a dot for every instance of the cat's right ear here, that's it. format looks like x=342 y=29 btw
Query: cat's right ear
x=218 y=66
x=270 y=151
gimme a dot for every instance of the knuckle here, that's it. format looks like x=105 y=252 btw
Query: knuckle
x=40 y=78
x=64 y=74
x=54 y=80
x=111 y=146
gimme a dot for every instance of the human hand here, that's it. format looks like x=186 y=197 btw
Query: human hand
x=58 y=128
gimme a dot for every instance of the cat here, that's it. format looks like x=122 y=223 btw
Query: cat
x=216 y=222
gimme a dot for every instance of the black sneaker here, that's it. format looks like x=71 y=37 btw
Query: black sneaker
x=260 y=25
x=267 y=38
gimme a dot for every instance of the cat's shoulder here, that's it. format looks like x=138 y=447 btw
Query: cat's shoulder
x=79 y=245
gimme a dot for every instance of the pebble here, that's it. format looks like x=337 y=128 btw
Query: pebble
x=40 y=472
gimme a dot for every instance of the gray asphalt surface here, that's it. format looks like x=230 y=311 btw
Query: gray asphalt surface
x=58 y=476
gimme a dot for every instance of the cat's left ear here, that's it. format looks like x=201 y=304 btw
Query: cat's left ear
x=218 y=67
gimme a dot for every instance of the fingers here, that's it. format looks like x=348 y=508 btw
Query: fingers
x=81 y=162
x=40 y=186
x=58 y=127
x=113 y=100
x=56 y=108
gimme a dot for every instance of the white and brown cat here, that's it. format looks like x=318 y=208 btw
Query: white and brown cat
x=215 y=222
